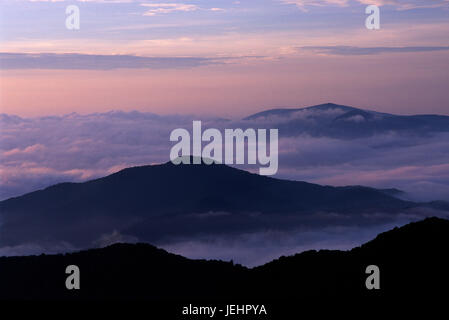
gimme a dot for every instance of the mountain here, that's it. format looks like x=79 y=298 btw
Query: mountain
x=345 y=122
x=411 y=259
x=154 y=202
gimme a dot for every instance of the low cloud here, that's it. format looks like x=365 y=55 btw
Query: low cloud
x=257 y=248
x=27 y=249
x=325 y=231
x=114 y=237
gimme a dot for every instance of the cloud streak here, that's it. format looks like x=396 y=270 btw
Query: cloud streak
x=163 y=8
x=360 y=51
x=71 y=61
x=398 y=4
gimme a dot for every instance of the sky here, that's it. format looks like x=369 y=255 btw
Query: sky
x=222 y=58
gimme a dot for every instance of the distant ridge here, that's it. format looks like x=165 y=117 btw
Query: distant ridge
x=340 y=121
x=288 y=111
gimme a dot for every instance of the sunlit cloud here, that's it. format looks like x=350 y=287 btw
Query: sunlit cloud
x=318 y=3
x=161 y=8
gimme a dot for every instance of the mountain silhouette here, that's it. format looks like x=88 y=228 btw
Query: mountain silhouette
x=154 y=202
x=412 y=262
x=345 y=122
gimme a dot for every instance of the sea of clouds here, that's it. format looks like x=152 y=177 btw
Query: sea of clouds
x=38 y=152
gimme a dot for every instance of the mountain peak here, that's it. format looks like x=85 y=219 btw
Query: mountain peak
x=345 y=122
x=157 y=201
x=287 y=112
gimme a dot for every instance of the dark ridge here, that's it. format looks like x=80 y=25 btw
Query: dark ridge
x=412 y=262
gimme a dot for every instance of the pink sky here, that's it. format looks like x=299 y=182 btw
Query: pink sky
x=264 y=64
x=405 y=83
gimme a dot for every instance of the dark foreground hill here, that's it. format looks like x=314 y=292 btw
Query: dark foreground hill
x=150 y=203
x=412 y=261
